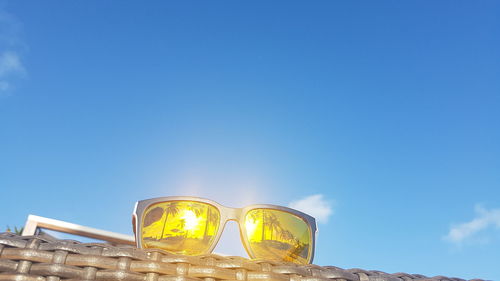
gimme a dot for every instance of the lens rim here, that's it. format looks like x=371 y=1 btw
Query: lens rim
x=143 y=205
x=310 y=222
x=152 y=205
x=226 y=214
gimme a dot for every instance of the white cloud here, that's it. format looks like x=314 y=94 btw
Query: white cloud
x=11 y=45
x=315 y=206
x=10 y=66
x=483 y=220
x=10 y=63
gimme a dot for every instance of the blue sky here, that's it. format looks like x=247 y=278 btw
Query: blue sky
x=385 y=112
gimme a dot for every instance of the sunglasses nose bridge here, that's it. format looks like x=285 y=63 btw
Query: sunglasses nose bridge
x=232 y=213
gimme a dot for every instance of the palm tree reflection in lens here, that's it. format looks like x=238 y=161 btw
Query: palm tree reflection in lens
x=278 y=235
x=181 y=227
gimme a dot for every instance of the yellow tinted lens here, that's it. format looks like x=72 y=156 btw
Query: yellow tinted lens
x=278 y=235
x=181 y=227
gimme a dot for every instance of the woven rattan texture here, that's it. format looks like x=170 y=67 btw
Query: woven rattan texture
x=33 y=258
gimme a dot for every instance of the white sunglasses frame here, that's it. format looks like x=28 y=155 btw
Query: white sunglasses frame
x=226 y=214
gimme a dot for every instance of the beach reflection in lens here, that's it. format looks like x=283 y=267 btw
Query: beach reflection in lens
x=181 y=227
x=278 y=235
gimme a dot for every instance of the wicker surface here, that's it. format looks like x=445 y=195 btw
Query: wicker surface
x=37 y=258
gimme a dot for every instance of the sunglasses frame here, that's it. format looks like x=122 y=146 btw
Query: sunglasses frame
x=226 y=214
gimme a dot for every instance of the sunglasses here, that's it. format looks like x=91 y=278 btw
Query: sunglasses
x=193 y=226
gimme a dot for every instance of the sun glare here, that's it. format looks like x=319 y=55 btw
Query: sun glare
x=191 y=220
x=250 y=226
